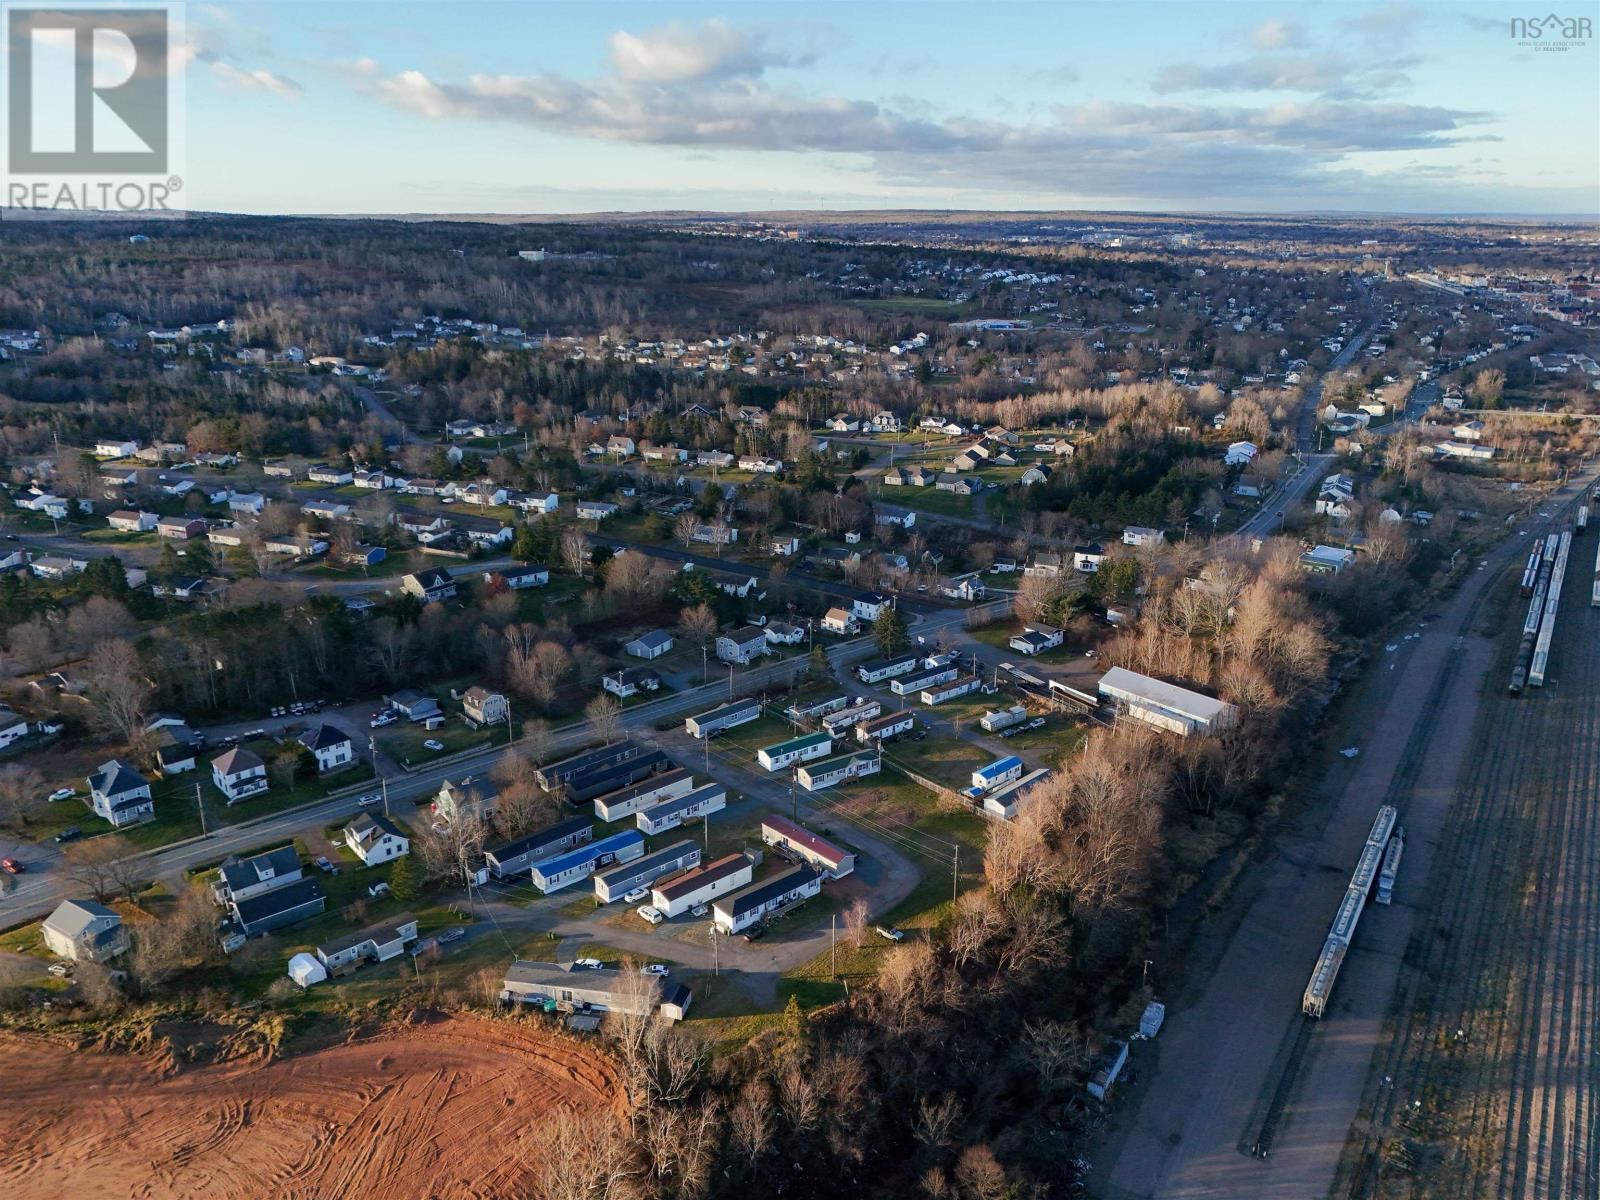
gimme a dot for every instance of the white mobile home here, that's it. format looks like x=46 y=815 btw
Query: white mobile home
x=674 y=897
x=815 y=777
x=635 y=798
x=616 y=883
x=669 y=814
x=796 y=750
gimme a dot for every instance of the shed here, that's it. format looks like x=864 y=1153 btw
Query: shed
x=305 y=970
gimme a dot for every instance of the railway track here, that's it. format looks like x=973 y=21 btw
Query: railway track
x=1485 y=1085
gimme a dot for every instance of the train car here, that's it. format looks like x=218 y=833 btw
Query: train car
x=1540 y=662
x=1367 y=868
x=1315 y=1001
x=1349 y=915
x=1582 y=522
x=1382 y=825
x=1530 y=572
x=1391 y=867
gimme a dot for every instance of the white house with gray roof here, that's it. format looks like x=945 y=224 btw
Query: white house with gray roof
x=85 y=931
x=120 y=794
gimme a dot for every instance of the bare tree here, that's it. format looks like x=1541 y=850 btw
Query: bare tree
x=604 y=714
x=575 y=551
x=855 y=922
x=583 y=1156
x=20 y=787
x=699 y=625
x=750 y=1123
x=118 y=690
x=88 y=864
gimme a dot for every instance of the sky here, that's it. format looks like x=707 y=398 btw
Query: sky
x=1187 y=105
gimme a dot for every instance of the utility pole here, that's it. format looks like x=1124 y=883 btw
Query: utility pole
x=705 y=839
x=955 y=876
x=715 y=960
x=511 y=735
x=833 y=937
x=383 y=783
x=199 y=802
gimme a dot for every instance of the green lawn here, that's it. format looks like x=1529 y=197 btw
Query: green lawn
x=947 y=760
x=403 y=741
x=931 y=306
x=925 y=499
x=120 y=537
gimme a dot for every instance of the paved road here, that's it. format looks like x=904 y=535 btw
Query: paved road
x=1218 y=1057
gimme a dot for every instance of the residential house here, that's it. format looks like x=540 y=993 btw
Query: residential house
x=1140 y=535
x=85 y=931
x=483 y=493
x=630 y=681
x=126 y=521
x=738 y=912
x=1036 y=639
x=282 y=906
x=958 y=485
x=474 y=796
x=743 y=645
x=181 y=528
x=120 y=795
x=784 y=545
x=715 y=535
x=510 y=859
x=649 y=645
x=242 y=878
x=844 y=423
x=332 y=747
x=53 y=566
x=116 y=448
x=182 y=587
x=336 y=476
x=869 y=606
x=719 y=459
x=13 y=726
x=374 y=839
x=592 y=990
x=621 y=446
x=964 y=587
x=376 y=943
x=760 y=465
x=326 y=510
x=543 y=505
x=1087 y=558
x=595 y=510
x=1327 y=560
x=239 y=774
x=1038 y=473
x=252 y=503
x=841 y=621
x=1240 y=454
x=295 y=546
x=414 y=704
x=781 y=633
x=485 y=531
x=887 y=422
x=484 y=706
x=516 y=578
x=430 y=585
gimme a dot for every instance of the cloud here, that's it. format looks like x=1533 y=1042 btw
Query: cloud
x=674 y=54
x=257 y=79
x=1276 y=35
x=1324 y=74
x=707 y=89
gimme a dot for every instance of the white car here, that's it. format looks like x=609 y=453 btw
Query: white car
x=378 y=889
x=653 y=915
x=62 y=794
x=654 y=969
x=636 y=895
x=433 y=744
x=699 y=910
x=588 y=964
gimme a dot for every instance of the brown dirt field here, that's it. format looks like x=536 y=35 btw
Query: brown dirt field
x=441 y=1110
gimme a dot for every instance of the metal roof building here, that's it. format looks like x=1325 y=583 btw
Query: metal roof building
x=1165 y=705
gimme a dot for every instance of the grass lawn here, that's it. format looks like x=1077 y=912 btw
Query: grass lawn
x=764 y=731
x=947 y=760
x=1000 y=633
x=120 y=537
x=403 y=741
x=925 y=499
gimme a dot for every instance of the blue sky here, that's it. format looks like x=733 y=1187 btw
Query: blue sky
x=554 y=107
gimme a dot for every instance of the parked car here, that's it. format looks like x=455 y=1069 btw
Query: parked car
x=323 y=864
x=588 y=964
x=60 y=970
x=890 y=932
x=382 y=719
x=378 y=889
x=454 y=934
x=62 y=794
x=433 y=744
x=653 y=915
x=755 y=934
x=67 y=834
x=11 y=866
x=699 y=910
x=654 y=969
x=1036 y=723
x=636 y=895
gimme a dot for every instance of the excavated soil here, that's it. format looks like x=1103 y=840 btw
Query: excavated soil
x=449 y=1109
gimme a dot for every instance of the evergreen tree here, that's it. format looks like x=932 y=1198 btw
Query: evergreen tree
x=889 y=632
x=404 y=881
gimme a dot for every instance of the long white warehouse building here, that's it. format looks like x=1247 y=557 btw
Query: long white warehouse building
x=1165 y=705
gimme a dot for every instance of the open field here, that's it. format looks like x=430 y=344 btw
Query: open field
x=359 y=1119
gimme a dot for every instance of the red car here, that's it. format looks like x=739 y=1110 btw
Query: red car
x=11 y=866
